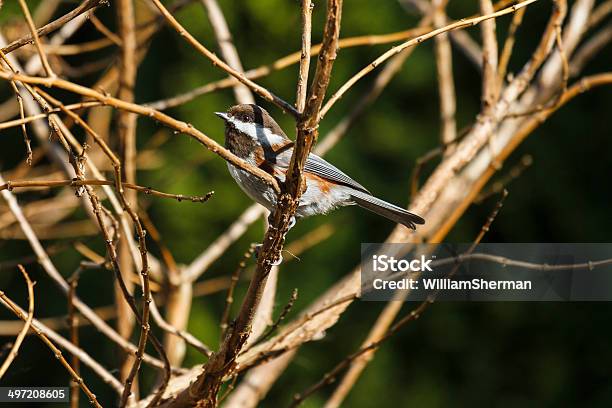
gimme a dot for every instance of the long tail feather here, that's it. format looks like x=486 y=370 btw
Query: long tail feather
x=387 y=210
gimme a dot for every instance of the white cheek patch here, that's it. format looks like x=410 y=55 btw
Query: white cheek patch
x=256 y=131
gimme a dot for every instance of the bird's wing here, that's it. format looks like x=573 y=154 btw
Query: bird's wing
x=322 y=168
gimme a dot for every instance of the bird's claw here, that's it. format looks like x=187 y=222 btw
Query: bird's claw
x=292 y=221
x=278 y=261
x=275 y=263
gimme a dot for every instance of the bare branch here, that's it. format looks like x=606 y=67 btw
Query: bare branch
x=54 y=25
x=302 y=82
x=504 y=60
x=126 y=130
x=9 y=304
x=590 y=49
x=446 y=83
x=54 y=274
x=10 y=185
x=180 y=126
x=227 y=47
x=282 y=63
x=395 y=50
x=381 y=331
x=490 y=88
x=24 y=131
x=258 y=89
x=41 y=52
x=26 y=327
x=206 y=387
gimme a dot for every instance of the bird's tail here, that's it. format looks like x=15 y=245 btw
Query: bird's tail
x=385 y=209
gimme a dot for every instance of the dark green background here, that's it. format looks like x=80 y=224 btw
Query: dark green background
x=506 y=354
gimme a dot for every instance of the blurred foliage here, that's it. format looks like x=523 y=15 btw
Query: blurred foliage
x=507 y=354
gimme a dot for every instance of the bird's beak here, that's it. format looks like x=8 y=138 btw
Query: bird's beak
x=222 y=115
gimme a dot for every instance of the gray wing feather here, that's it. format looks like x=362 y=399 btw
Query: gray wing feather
x=322 y=168
x=387 y=210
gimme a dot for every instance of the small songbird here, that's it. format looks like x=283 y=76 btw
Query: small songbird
x=252 y=135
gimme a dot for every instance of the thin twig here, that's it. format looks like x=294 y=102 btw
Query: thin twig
x=41 y=52
x=499 y=185
x=54 y=25
x=73 y=328
x=185 y=335
x=600 y=13
x=590 y=49
x=565 y=74
x=9 y=304
x=179 y=126
x=504 y=60
x=104 y=30
x=282 y=316
x=28 y=119
x=282 y=63
x=24 y=131
x=229 y=297
x=10 y=185
x=258 y=89
x=218 y=247
x=397 y=49
x=490 y=88
x=26 y=327
x=348 y=381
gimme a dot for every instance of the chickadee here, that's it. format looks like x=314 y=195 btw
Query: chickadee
x=252 y=135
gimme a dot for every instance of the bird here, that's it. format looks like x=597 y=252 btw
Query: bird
x=254 y=136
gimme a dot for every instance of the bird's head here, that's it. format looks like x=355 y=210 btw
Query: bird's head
x=247 y=125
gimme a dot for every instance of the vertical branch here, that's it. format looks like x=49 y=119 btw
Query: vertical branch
x=41 y=52
x=73 y=327
x=446 y=84
x=229 y=297
x=261 y=378
x=227 y=47
x=490 y=88
x=126 y=124
x=307 y=126
x=302 y=83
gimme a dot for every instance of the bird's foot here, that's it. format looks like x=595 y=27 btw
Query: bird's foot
x=292 y=222
x=275 y=263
